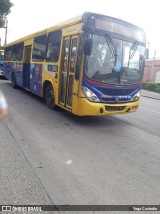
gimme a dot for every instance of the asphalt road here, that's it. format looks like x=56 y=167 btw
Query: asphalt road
x=89 y=160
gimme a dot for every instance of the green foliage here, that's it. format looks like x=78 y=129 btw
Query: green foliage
x=5 y=6
x=151 y=86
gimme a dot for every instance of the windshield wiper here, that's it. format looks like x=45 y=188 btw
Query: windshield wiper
x=111 y=45
x=133 y=50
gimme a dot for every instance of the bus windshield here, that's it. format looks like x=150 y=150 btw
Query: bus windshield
x=115 y=61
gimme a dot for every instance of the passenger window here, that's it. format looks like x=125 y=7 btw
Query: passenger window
x=14 y=52
x=73 y=55
x=65 y=55
x=20 y=51
x=8 y=53
x=53 y=46
x=39 y=48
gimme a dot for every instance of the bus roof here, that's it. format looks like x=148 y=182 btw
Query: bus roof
x=85 y=17
x=61 y=25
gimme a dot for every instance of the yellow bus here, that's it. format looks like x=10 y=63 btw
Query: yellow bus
x=90 y=65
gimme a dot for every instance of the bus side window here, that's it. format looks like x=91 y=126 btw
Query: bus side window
x=14 y=52
x=73 y=55
x=39 y=48
x=8 y=53
x=79 y=57
x=53 y=46
x=20 y=51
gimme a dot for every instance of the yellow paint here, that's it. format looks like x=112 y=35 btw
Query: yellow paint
x=28 y=42
x=86 y=108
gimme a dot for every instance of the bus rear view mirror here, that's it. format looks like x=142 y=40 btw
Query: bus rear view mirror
x=88 y=47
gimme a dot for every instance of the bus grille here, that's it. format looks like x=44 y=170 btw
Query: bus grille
x=115 y=108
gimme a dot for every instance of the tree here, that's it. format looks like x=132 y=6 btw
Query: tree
x=5 y=6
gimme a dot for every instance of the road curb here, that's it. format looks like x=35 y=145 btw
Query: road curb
x=150 y=97
x=14 y=132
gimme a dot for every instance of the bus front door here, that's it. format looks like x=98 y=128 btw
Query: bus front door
x=68 y=85
x=26 y=66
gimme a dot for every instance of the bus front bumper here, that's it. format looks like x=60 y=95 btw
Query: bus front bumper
x=86 y=108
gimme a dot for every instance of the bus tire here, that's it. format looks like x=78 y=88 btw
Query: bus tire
x=50 y=98
x=14 y=85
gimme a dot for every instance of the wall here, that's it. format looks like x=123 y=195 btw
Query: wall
x=149 y=75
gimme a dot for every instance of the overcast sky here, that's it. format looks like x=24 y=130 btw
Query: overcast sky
x=28 y=16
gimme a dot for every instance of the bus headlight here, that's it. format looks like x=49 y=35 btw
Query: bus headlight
x=90 y=95
x=136 y=96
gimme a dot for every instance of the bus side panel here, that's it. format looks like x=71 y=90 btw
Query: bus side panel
x=15 y=68
x=8 y=70
x=19 y=73
x=36 y=79
x=26 y=75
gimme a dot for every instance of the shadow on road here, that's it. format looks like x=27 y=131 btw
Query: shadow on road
x=69 y=118
x=3 y=78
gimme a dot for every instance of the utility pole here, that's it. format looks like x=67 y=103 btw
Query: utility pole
x=147 y=50
x=6 y=31
x=153 y=64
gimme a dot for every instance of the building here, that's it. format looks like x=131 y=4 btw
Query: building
x=152 y=71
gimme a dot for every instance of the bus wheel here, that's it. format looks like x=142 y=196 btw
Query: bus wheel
x=49 y=98
x=14 y=85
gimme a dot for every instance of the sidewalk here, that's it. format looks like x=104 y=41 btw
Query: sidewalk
x=150 y=94
x=19 y=185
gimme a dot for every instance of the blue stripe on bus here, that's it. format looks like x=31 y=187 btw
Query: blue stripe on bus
x=125 y=93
